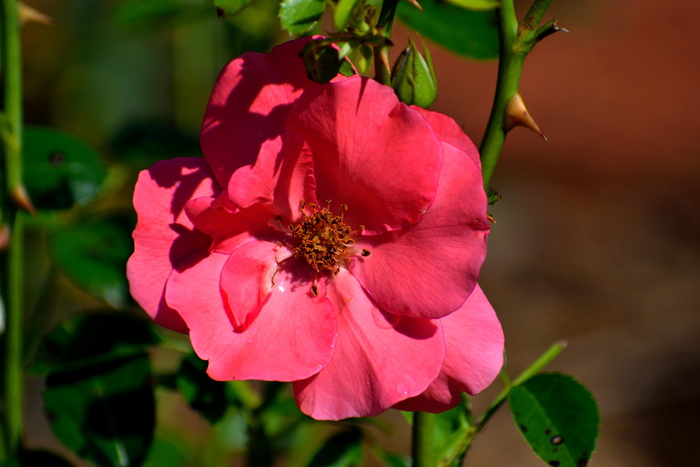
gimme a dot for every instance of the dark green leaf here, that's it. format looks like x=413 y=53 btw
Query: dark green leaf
x=142 y=144
x=40 y=457
x=469 y=33
x=341 y=450
x=99 y=395
x=558 y=417
x=300 y=17
x=60 y=169
x=230 y=7
x=93 y=252
x=90 y=339
x=105 y=412
x=203 y=394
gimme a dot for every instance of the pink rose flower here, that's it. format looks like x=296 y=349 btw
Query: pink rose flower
x=331 y=236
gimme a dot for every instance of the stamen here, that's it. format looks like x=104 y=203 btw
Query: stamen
x=325 y=240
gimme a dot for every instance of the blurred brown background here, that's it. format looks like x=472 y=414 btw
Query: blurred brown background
x=596 y=240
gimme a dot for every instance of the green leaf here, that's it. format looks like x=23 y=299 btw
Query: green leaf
x=558 y=417
x=99 y=394
x=343 y=12
x=341 y=450
x=300 y=17
x=106 y=412
x=476 y=4
x=90 y=339
x=93 y=252
x=60 y=170
x=230 y=7
x=473 y=34
x=203 y=394
x=43 y=458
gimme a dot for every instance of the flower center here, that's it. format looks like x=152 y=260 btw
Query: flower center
x=325 y=240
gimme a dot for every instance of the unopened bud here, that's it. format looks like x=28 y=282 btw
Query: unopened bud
x=322 y=61
x=413 y=77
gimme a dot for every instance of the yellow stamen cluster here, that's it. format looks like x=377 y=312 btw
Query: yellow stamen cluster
x=324 y=239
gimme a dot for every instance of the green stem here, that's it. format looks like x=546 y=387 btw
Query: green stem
x=510 y=66
x=382 y=70
x=535 y=14
x=422 y=449
x=12 y=265
x=537 y=366
x=516 y=40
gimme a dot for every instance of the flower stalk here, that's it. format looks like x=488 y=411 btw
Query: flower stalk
x=422 y=447
x=382 y=69
x=516 y=39
x=12 y=268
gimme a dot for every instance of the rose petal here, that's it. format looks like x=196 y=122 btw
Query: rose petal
x=474 y=345
x=371 y=152
x=429 y=270
x=164 y=236
x=281 y=177
x=247 y=280
x=449 y=132
x=249 y=105
x=292 y=337
x=231 y=230
x=380 y=359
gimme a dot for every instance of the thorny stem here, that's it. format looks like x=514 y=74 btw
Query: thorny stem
x=11 y=264
x=516 y=40
x=510 y=66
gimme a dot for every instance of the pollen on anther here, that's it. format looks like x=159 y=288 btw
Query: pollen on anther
x=325 y=240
